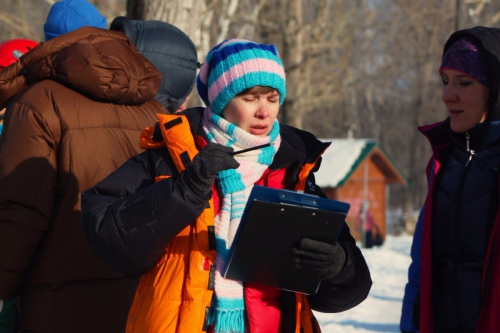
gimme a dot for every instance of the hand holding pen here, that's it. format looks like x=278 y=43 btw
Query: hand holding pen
x=213 y=158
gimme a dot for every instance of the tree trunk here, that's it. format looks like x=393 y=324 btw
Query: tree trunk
x=293 y=55
x=188 y=15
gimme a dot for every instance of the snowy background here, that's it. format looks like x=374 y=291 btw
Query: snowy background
x=381 y=311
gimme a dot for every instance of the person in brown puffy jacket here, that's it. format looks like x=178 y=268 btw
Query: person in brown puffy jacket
x=76 y=106
x=10 y=51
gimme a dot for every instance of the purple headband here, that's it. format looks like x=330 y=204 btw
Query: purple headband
x=464 y=56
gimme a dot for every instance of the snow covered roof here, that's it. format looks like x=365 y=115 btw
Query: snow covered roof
x=343 y=156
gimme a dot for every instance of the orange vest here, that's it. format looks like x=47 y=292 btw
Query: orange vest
x=175 y=295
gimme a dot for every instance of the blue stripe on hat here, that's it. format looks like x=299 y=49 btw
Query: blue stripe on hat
x=252 y=49
x=265 y=79
x=220 y=66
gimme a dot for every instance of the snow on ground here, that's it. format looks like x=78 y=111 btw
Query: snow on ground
x=381 y=311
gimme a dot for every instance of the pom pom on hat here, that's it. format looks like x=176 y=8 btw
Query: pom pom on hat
x=467 y=57
x=236 y=65
x=68 y=15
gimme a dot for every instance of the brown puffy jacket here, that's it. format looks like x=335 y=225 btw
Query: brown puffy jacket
x=76 y=106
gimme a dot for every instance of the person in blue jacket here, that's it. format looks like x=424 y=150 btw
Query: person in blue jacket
x=459 y=257
x=411 y=289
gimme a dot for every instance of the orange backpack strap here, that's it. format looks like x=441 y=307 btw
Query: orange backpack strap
x=305 y=321
x=176 y=294
x=305 y=171
x=177 y=135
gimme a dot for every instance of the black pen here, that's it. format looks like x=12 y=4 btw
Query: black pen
x=252 y=148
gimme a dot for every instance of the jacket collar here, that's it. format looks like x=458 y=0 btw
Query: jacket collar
x=483 y=135
x=296 y=149
x=297 y=146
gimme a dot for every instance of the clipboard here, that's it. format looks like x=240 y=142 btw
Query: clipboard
x=273 y=222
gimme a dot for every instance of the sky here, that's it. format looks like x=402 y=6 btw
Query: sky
x=381 y=311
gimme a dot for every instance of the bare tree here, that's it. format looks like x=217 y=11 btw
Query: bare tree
x=192 y=17
x=110 y=8
x=196 y=18
x=363 y=68
x=17 y=22
x=314 y=46
x=25 y=18
x=423 y=36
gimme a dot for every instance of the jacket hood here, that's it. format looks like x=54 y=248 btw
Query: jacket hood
x=101 y=64
x=170 y=50
x=489 y=40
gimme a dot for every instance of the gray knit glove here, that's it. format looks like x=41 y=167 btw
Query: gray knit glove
x=200 y=174
x=325 y=259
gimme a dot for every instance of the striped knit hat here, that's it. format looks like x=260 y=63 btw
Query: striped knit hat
x=235 y=65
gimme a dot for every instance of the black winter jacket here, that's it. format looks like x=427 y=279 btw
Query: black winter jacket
x=466 y=193
x=466 y=202
x=128 y=219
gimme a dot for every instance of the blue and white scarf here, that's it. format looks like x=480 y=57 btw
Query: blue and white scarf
x=236 y=184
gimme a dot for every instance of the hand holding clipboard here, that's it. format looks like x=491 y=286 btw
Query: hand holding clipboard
x=273 y=223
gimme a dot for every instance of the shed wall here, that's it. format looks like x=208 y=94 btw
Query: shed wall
x=353 y=192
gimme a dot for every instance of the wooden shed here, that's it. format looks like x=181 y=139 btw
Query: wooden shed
x=355 y=170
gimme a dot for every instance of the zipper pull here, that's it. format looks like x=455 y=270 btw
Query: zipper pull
x=472 y=152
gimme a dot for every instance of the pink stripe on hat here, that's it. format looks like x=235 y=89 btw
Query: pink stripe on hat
x=241 y=69
x=205 y=67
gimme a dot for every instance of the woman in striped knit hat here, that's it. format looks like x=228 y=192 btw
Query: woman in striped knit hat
x=170 y=214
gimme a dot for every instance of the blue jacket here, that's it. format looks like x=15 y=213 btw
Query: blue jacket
x=411 y=289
